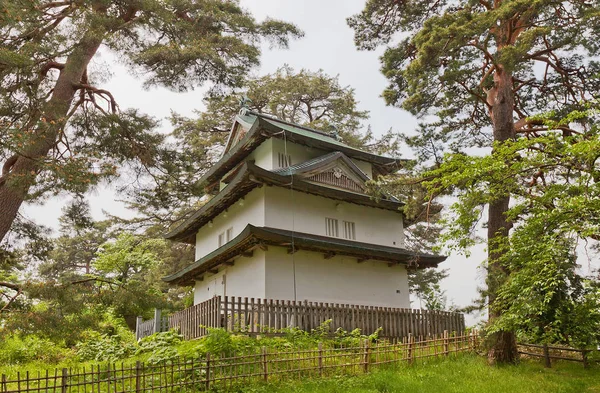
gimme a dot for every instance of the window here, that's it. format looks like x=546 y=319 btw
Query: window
x=221 y=238
x=349 y=230
x=285 y=160
x=331 y=227
x=229 y=234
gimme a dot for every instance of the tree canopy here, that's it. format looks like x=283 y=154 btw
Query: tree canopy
x=60 y=129
x=481 y=70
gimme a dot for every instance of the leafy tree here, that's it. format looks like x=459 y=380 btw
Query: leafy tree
x=61 y=131
x=313 y=99
x=556 y=206
x=473 y=66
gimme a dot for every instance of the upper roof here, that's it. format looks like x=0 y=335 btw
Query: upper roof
x=252 y=237
x=250 y=129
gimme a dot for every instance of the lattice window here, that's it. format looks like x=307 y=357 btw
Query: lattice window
x=331 y=227
x=285 y=160
x=349 y=230
x=221 y=238
x=229 y=234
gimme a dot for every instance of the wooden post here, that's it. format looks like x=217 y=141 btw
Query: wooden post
x=63 y=383
x=320 y=359
x=208 y=371
x=3 y=387
x=446 y=343
x=265 y=366
x=584 y=358
x=411 y=341
x=547 y=362
x=156 y=320
x=138 y=372
x=366 y=356
x=138 y=325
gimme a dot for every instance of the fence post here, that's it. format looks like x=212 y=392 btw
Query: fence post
x=584 y=358
x=411 y=340
x=3 y=387
x=207 y=370
x=138 y=371
x=547 y=362
x=156 y=320
x=138 y=324
x=366 y=356
x=320 y=359
x=446 y=343
x=265 y=366
x=63 y=383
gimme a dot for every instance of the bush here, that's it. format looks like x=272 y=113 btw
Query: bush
x=16 y=350
x=161 y=346
x=104 y=347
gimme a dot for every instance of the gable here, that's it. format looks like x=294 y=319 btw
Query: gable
x=340 y=176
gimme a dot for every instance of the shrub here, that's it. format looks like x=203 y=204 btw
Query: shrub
x=104 y=347
x=15 y=350
x=161 y=346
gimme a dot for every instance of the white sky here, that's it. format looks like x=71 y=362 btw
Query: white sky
x=328 y=44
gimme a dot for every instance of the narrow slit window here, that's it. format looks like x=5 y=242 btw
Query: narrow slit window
x=331 y=227
x=230 y=234
x=285 y=160
x=221 y=238
x=349 y=230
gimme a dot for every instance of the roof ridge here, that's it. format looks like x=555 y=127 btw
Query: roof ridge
x=275 y=118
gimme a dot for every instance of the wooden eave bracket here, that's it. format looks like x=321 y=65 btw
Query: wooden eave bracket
x=361 y=260
x=248 y=254
x=329 y=255
x=292 y=250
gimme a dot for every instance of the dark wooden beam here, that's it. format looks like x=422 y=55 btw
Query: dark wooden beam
x=248 y=254
x=228 y=263
x=361 y=260
x=213 y=271
x=263 y=246
x=390 y=264
x=329 y=255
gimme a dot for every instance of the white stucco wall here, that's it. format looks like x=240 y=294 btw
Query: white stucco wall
x=250 y=211
x=306 y=213
x=245 y=278
x=335 y=280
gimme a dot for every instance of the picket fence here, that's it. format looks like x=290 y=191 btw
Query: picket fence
x=263 y=316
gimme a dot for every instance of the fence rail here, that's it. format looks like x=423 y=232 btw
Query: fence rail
x=253 y=316
x=198 y=374
x=549 y=352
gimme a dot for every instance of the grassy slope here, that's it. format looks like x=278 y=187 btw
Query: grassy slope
x=464 y=374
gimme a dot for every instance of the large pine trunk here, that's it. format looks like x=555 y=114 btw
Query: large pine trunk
x=47 y=123
x=503 y=348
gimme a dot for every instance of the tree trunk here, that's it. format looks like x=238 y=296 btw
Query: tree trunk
x=46 y=124
x=503 y=345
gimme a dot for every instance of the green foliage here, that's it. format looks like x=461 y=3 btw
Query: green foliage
x=162 y=347
x=16 y=350
x=104 y=348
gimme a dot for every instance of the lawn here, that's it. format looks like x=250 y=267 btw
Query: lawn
x=464 y=374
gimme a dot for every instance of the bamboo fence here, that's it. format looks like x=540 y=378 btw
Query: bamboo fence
x=200 y=374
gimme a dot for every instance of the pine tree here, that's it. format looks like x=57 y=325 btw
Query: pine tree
x=483 y=68
x=61 y=131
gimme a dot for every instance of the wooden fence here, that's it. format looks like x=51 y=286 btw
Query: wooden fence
x=253 y=316
x=199 y=374
x=549 y=352
x=154 y=325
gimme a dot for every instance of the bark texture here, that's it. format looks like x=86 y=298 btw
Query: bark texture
x=21 y=173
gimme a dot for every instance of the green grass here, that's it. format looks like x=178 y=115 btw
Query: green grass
x=463 y=374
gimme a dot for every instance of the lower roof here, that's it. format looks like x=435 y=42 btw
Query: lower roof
x=252 y=237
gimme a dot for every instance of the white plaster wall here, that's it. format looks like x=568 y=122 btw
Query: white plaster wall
x=237 y=216
x=302 y=212
x=263 y=155
x=245 y=278
x=335 y=280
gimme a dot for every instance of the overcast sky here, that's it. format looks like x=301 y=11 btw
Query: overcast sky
x=328 y=44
